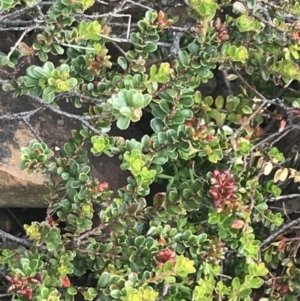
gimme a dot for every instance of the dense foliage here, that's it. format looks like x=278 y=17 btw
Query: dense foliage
x=210 y=234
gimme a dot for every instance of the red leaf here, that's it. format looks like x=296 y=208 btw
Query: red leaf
x=65 y=281
x=282 y=125
x=238 y=224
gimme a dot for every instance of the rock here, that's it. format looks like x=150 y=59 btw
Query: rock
x=17 y=188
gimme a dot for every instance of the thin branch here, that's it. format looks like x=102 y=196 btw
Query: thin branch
x=265 y=22
x=18 y=22
x=274 y=135
x=24 y=10
x=20 y=39
x=77 y=94
x=119 y=48
x=82 y=119
x=15 y=218
x=20 y=241
x=34 y=132
x=284 y=197
x=102 y=2
x=284 y=229
x=121 y=40
x=177 y=37
x=262 y=97
x=140 y=5
x=283 y=133
x=21 y=115
x=74 y=46
x=17 y=28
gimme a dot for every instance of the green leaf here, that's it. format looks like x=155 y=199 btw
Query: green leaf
x=227 y=130
x=187 y=101
x=208 y=100
x=58 y=49
x=75 y=184
x=143 y=25
x=170 y=279
x=231 y=77
x=48 y=90
x=187 y=114
x=158 y=112
x=235 y=118
x=72 y=290
x=180 y=248
x=139 y=241
x=247 y=110
x=115 y=293
x=156 y=125
x=151 y=16
x=236 y=284
x=177 y=118
x=83 y=177
x=153 y=71
x=65 y=176
x=49 y=66
x=164 y=105
x=44 y=292
x=4 y=61
x=135 y=39
x=216 y=156
x=202 y=237
x=126 y=111
x=256 y=282
x=168 y=266
x=262 y=206
x=69 y=149
x=184 y=58
x=219 y=102
x=150 y=47
x=43 y=56
x=104 y=280
x=48 y=98
x=160 y=160
x=137 y=100
x=123 y=122
x=122 y=62
x=240 y=7
x=245 y=293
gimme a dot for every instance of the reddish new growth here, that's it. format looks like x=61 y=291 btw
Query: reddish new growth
x=20 y=284
x=165 y=255
x=222 y=30
x=296 y=33
x=102 y=186
x=223 y=189
x=163 y=20
x=200 y=132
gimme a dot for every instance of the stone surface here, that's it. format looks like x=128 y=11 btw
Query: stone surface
x=17 y=188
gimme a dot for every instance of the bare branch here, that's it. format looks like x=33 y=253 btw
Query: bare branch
x=284 y=229
x=284 y=197
x=82 y=119
x=21 y=115
x=20 y=241
x=20 y=39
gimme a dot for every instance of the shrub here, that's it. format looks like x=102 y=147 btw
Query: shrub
x=210 y=234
